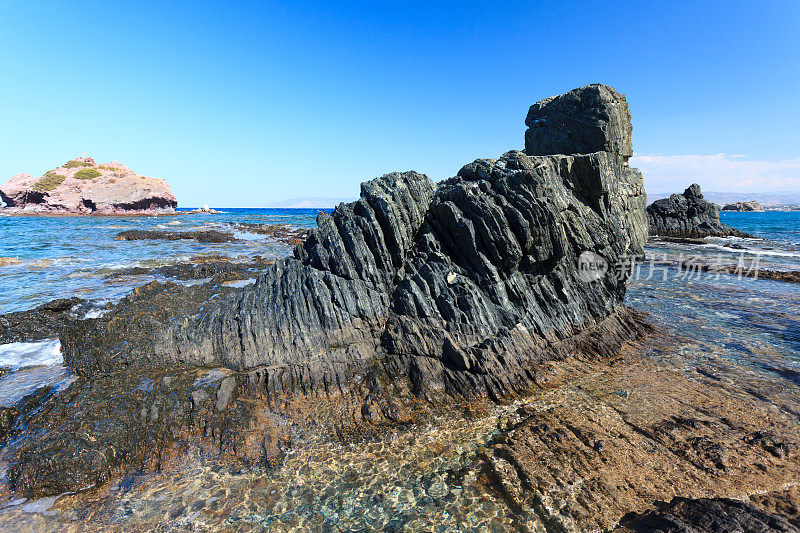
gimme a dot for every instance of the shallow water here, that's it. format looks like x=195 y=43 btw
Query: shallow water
x=58 y=257
x=426 y=478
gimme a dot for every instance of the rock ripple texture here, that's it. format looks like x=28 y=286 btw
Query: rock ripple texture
x=459 y=286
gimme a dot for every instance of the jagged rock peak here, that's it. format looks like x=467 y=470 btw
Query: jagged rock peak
x=688 y=215
x=693 y=191
x=594 y=118
x=463 y=285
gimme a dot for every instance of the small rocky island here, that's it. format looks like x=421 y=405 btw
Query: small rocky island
x=83 y=187
x=688 y=215
x=751 y=206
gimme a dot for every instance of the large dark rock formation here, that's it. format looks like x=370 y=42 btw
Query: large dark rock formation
x=462 y=285
x=594 y=118
x=688 y=215
x=458 y=288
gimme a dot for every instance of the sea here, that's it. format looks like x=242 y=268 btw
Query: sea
x=713 y=319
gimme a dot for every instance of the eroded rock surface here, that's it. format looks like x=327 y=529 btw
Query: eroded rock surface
x=43 y=322
x=204 y=236
x=688 y=215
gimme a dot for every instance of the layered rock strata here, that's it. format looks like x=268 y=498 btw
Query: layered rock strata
x=688 y=215
x=411 y=293
x=463 y=285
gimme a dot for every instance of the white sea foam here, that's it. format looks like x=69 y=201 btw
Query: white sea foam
x=96 y=313
x=21 y=354
x=753 y=251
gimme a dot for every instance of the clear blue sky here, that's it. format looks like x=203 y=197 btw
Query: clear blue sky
x=241 y=104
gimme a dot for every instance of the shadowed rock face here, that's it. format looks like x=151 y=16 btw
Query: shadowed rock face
x=683 y=515
x=461 y=285
x=688 y=215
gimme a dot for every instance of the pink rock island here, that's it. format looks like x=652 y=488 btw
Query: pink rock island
x=83 y=187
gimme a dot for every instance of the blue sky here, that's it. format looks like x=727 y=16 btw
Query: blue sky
x=245 y=103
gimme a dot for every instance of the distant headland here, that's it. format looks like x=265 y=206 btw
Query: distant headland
x=83 y=187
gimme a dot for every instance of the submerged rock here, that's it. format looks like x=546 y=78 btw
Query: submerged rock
x=707 y=515
x=204 y=236
x=82 y=186
x=688 y=215
x=452 y=290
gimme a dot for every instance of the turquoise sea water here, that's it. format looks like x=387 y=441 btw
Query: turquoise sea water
x=59 y=257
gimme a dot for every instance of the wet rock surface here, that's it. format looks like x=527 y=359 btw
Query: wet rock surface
x=614 y=440
x=703 y=515
x=603 y=443
x=204 y=236
x=282 y=232
x=688 y=215
x=216 y=269
x=693 y=266
x=43 y=322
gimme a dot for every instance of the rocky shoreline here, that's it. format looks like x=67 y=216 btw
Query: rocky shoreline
x=417 y=306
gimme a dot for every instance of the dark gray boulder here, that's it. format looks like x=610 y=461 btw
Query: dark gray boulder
x=688 y=215
x=590 y=119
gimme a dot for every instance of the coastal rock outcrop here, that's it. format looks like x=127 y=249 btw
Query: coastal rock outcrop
x=744 y=206
x=456 y=290
x=688 y=215
x=82 y=186
x=462 y=286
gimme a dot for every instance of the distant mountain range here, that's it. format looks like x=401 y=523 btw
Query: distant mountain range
x=314 y=202
x=767 y=199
